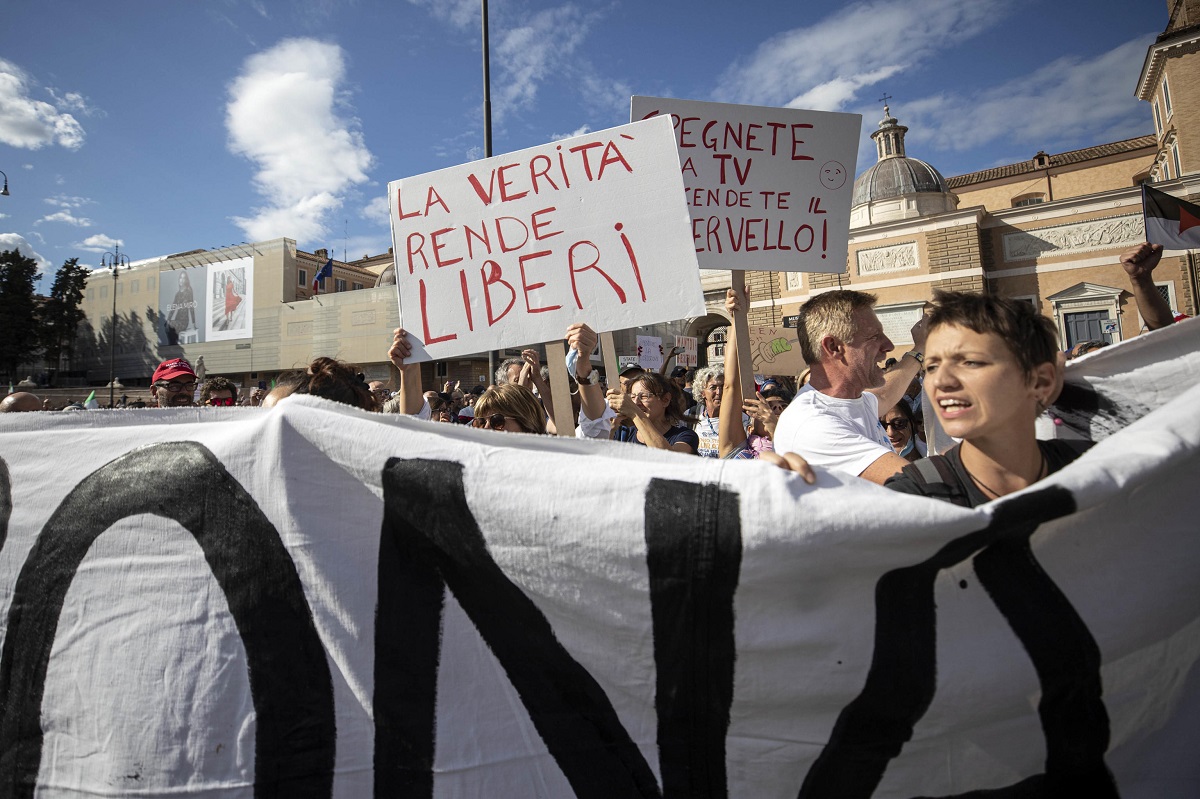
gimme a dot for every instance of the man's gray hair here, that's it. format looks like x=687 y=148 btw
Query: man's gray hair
x=502 y=370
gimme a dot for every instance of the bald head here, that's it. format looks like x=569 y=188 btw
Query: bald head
x=19 y=402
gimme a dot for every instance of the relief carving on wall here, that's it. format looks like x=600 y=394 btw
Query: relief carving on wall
x=887 y=259
x=1098 y=234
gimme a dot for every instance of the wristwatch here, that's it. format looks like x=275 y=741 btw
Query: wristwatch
x=917 y=356
x=586 y=380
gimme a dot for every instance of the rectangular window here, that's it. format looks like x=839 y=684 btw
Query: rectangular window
x=339 y=285
x=104 y=292
x=91 y=294
x=1166 y=171
x=1167 y=98
x=357 y=286
x=1024 y=201
x=1175 y=159
x=133 y=287
x=302 y=277
x=1157 y=119
x=120 y=289
x=149 y=284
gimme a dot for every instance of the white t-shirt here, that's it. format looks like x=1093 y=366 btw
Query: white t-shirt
x=841 y=434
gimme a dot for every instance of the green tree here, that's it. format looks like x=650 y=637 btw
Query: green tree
x=61 y=313
x=19 y=334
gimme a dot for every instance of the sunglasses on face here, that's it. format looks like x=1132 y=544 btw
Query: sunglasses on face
x=220 y=400
x=175 y=388
x=895 y=424
x=494 y=422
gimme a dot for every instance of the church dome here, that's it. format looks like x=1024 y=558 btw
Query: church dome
x=895 y=177
x=897 y=187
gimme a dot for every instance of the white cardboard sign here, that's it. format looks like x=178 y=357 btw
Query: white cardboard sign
x=650 y=352
x=511 y=250
x=768 y=189
x=688 y=356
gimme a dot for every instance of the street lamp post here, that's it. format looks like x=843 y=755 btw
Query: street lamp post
x=4 y=191
x=113 y=261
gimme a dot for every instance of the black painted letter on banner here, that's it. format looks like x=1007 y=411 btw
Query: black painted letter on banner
x=426 y=515
x=290 y=683
x=694 y=553
x=872 y=729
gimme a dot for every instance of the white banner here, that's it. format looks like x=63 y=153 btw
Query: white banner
x=768 y=189
x=315 y=601
x=511 y=250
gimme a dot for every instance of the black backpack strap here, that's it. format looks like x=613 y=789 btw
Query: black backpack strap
x=938 y=479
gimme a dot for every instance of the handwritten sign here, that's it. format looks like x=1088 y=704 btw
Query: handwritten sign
x=650 y=352
x=511 y=250
x=688 y=356
x=769 y=189
x=776 y=350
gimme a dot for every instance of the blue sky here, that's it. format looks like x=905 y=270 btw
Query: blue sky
x=172 y=126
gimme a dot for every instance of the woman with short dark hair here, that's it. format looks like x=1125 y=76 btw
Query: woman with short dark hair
x=991 y=367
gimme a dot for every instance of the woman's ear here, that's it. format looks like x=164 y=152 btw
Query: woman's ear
x=1045 y=383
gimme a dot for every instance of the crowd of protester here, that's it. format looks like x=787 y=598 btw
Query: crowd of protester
x=986 y=366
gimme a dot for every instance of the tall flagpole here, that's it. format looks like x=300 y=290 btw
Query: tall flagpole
x=487 y=139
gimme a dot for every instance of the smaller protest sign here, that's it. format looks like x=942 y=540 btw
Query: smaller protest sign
x=650 y=352
x=511 y=250
x=768 y=189
x=688 y=356
x=775 y=350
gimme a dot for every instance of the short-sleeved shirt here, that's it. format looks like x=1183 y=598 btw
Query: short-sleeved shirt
x=842 y=434
x=678 y=432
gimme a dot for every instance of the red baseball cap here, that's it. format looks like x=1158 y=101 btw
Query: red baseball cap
x=173 y=368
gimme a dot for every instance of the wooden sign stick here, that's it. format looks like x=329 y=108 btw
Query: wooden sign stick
x=560 y=387
x=741 y=327
x=608 y=351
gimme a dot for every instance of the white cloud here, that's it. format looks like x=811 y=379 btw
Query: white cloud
x=826 y=65
x=377 y=211
x=28 y=123
x=459 y=13
x=580 y=131
x=74 y=101
x=1067 y=101
x=530 y=53
x=15 y=241
x=66 y=216
x=67 y=201
x=98 y=243
x=289 y=114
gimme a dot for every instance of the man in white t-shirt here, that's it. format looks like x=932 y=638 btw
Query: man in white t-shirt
x=834 y=420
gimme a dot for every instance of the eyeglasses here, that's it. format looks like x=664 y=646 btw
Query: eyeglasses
x=895 y=424
x=642 y=397
x=220 y=400
x=494 y=422
x=175 y=388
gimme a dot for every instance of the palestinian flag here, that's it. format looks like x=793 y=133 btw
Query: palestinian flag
x=1171 y=222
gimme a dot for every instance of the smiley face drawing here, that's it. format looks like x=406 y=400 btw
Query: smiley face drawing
x=833 y=175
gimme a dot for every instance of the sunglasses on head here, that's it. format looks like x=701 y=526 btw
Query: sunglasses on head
x=220 y=400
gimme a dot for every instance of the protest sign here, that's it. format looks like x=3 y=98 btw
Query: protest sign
x=513 y=249
x=389 y=610
x=769 y=189
x=775 y=350
x=650 y=352
x=688 y=356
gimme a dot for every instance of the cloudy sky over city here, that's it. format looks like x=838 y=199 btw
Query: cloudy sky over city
x=172 y=126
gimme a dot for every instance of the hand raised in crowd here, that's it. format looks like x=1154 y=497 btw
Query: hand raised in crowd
x=621 y=402
x=920 y=332
x=401 y=349
x=1139 y=262
x=581 y=338
x=761 y=413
